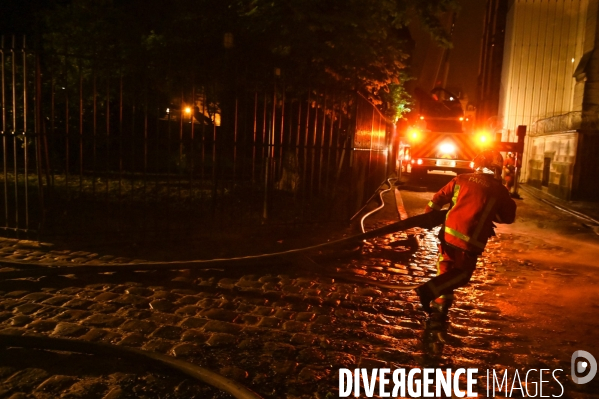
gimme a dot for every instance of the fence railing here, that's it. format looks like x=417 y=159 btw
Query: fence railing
x=87 y=150
x=558 y=123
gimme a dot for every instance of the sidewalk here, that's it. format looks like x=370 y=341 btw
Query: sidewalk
x=588 y=209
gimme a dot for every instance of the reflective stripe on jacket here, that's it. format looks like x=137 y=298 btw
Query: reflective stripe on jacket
x=476 y=201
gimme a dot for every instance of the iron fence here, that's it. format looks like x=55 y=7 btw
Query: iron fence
x=88 y=150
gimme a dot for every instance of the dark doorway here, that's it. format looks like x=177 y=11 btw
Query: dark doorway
x=546 y=169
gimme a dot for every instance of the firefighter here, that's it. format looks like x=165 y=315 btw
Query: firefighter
x=476 y=201
x=509 y=171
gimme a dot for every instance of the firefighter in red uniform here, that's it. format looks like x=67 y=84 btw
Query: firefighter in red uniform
x=476 y=201
x=509 y=171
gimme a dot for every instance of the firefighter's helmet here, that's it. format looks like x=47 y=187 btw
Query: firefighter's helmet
x=488 y=161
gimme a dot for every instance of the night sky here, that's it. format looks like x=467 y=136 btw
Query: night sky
x=467 y=36
x=464 y=57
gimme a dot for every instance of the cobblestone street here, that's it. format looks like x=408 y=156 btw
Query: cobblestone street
x=284 y=330
x=299 y=199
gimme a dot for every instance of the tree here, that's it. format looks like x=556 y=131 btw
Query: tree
x=354 y=44
x=351 y=44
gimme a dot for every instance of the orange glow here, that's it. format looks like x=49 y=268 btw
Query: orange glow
x=188 y=110
x=414 y=134
x=421 y=117
x=483 y=138
x=461 y=118
x=419 y=162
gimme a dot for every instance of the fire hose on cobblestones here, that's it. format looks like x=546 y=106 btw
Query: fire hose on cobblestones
x=370 y=213
x=70 y=345
x=427 y=220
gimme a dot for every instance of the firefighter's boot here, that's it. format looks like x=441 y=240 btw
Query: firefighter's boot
x=443 y=304
x=426 y=296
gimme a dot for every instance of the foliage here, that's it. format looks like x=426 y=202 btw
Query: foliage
x=396 y=101
x=351 y=44
x=354 y=44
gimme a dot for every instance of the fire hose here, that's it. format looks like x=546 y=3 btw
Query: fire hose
x=428 y=220
x=379 y=208
x=376 y=283
x=136 y=355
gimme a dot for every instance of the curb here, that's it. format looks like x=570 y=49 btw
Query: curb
x=558 y=206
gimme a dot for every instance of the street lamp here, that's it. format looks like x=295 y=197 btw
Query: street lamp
x=188 y=112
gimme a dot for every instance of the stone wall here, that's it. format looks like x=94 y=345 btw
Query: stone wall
x=587 y=166
x=551 y=163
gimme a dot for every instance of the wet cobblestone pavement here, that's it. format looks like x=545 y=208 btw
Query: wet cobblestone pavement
x=281 y=330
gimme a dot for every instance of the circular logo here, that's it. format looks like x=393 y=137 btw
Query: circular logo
x=581 y=367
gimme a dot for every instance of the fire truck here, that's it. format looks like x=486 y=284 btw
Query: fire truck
x=439 y=137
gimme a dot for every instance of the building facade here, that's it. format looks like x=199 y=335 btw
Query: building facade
x=550 y=83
